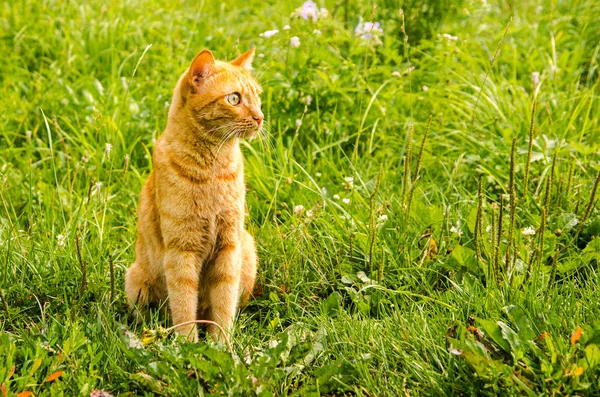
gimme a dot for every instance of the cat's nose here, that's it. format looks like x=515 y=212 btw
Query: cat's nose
x=258 y=119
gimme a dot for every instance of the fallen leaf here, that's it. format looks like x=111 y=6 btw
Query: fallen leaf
x=12 y=372
x=454 y=351
x=475 y=331
x=25 y=394
x=576 y=335
x=433 y=249
x=3 y=387
x=54 y=376
x=578 y=371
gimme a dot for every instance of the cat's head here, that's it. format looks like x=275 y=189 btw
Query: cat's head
x=223 y=97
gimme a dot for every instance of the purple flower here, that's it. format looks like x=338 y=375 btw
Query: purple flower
x=368 y=29
x=309 y=10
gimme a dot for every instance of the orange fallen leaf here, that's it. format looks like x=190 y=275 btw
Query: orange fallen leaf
x=25 y=394
x=576 y=335
x=433 y=249
x=54 y=376
x=12 y=372
x=578 y=371
x=3 y=387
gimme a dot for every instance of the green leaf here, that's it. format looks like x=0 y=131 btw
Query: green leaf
x=592 y=250
x=465 y=257
x=521 y=320
x=335 y=376
x=592 y=357
x=493 y=331
x=331 y=305
x=472 y=219
x=513 y=339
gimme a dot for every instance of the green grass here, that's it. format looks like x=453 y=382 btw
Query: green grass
x=348 y=301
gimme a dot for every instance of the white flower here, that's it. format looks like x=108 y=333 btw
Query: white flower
x=381 y=219
x=336 y=196
x=61 y=240
x=309 y=214
x=269 y=33
x=349 y=181
x=425 y=88
x=261 y=55
x=307 y=100
x=295 y=42
x=346 y=200
x=453 y=229
x=317 y=32
x=449 y=37
x=107 y=150
x=396 y=73
x=298 y=123
x=298 y=209
x=323 y=13
x=456 y=229
x=528 y=231
x=286 y=27
x=489 y=228
x=318 y=174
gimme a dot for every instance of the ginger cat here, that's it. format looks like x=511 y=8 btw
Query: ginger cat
x=192 y=248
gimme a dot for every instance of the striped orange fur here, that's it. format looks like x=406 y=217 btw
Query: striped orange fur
x=192 y=247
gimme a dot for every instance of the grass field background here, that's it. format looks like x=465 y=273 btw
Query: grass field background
x=383 y=271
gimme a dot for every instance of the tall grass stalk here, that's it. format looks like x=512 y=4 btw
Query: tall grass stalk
x=487 y=73
x=513 y=208
x=529 y=150
x=419 y=165
x=406 y=186
x=590 y=205
x=372 y=217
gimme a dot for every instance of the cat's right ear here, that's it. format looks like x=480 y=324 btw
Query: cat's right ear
x=201 y=67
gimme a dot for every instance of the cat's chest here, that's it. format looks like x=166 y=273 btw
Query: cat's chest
x=224 y=189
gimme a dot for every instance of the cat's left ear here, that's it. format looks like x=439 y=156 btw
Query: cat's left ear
x=201 y=66
x=245 y=60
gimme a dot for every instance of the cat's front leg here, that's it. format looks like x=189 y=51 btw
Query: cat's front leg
x=182 y=269
x=223 y=289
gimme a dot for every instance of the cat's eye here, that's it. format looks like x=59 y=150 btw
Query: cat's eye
x=233 y=99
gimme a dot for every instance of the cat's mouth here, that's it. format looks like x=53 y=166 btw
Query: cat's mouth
x=248 y=132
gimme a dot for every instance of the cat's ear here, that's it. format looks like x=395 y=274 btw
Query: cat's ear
x=201 y=67
x=244 y=60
